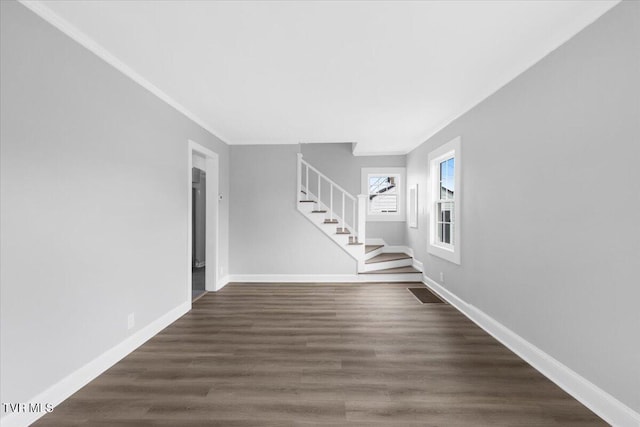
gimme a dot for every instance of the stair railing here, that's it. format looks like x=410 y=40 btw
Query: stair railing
x=357 y=211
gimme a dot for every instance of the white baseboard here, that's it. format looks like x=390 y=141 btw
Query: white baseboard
x=293 y=278
x=599 y=401
x=319 y=278
x=81 y=377
x=222 y=283
x=417 y=264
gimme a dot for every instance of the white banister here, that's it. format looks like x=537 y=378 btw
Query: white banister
x=354 y=224
x=326 y=178
x=331 y=202
x=306 y=182
x=356 y=212
x=362 y=217
x=344 y=222
x=299 y=177
x=319 y=180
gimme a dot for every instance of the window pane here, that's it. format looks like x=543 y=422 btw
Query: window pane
x=383 y=203
x=447 y=180
x=445 y=217
x=447 y=211
x=451 y=176
x=379 y=184
x=446 y=235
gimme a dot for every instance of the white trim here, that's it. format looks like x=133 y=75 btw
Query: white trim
x=593 y=397
x=417 y=265
x=83 y=39
x=222 y=283
x=450 y=252
x=400 y=215
x=570 y=30
x=318 y=278
x=84 y=375
x=412 y=211
x=385 y=265
x=397 y=248
x=375 y=241
x=354 y=147
x=212 y=237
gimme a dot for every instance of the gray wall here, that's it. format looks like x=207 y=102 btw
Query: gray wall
x=94 y=204
x=338 y=163
x=269 y=235
x=551 y=236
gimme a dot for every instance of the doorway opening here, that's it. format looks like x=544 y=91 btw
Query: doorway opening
x=203 y=221
x=198 y=225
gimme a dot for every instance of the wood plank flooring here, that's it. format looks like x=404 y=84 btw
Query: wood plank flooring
x=320 y=355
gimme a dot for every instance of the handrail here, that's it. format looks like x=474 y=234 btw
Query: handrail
x=329 y=180
x=357 y=209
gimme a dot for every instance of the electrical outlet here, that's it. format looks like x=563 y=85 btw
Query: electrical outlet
x=131 y=320
x=442 y=277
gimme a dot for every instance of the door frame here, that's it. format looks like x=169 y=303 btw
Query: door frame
x=212 y=234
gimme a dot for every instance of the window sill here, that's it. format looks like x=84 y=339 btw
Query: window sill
x=444 y=253
x=386 y=218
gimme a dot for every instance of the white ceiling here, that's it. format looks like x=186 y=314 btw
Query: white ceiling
x=385 y=75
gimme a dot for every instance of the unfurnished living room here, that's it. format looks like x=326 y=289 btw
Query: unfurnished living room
x=320 y=213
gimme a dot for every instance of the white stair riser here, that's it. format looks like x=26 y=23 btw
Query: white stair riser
x=386 y=278
x=313 y=202
x=319 y=218
x=388 y=264
x=356 y=251
x=374 y=253
x=342 y=240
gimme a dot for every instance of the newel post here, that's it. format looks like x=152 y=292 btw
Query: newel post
x=299 y=177
x=362 y=218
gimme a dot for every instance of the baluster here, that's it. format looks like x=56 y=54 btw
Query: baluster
x=330 y=202
x=353 y=224
x=299 y=178
x=319 y=180
x=362 y=219
x=344 y=222
x=306 y=183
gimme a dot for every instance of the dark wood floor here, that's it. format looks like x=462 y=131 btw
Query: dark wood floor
x=304 y=355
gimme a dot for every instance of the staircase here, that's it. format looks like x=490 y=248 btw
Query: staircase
x=342 y=218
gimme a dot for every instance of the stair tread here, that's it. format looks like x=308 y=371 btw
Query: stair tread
x=396 y=270
x=307 y=201
x=330 y=221
x=371 y=248
x=387 y=256
x=318 y=211
x=343 y=232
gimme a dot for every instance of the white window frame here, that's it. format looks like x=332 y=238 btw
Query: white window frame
x=387 y=216
x=449 y=252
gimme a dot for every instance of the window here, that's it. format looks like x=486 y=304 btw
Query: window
x=383 y=194
x=383 y=187
x=444 y=167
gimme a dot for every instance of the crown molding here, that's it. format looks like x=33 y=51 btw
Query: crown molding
x=100 y=51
